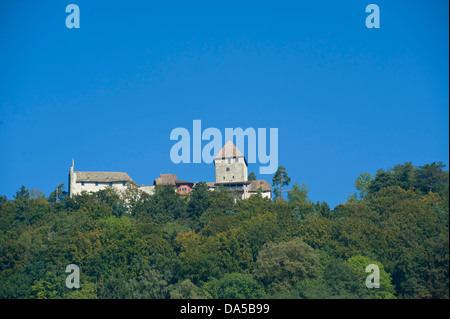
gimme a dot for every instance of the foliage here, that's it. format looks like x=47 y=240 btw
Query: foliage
x=280 y=179
x=234 y=286
x=206 y=245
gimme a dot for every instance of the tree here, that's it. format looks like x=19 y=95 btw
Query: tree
x=337 y=280
x=235 y=286
x=359 y=264
x=342 y=281
x=279 y=180
x=251 y=176
x=86 y=291
x=299 y=194
x=3 y=199
x=150 y=284
x=36 y=193
x=278 y=266
x=231 y=251
x=362 y=184
x=406 y=175
x=22 y=193
x=382 y=180
x=432 y=178
x=198 y=200
x=323 y=209
x=58 y=194
x=186 y=290
x=162 y=207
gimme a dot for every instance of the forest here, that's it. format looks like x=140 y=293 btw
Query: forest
x=207 y=245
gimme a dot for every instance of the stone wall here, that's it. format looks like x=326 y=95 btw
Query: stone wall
x=230 y=169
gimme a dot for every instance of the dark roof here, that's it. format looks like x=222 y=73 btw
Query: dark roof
x=184 y=182
x=169 y=179
x=166 y=179
x=260 y=183
x=102 y=177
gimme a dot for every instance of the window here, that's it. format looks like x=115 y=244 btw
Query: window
x=82 y=183
x=96 y=183
x=229 y=161
x=124 y=184
x=228 y=169
x=224 y=177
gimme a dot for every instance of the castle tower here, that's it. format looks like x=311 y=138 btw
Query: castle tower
x=230 y=165
x=72 y=178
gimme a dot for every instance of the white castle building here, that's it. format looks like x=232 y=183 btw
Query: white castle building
x=231 y=172
x=95 y=181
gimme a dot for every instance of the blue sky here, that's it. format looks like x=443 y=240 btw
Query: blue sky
x=345 y=99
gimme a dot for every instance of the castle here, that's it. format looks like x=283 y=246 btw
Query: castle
x=231 y=172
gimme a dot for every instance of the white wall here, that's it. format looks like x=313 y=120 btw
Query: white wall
x=77 y=187
x=149 y=189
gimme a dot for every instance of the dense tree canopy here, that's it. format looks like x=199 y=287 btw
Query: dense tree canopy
x=207 y=245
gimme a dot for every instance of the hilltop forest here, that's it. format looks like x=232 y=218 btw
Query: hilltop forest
x=207 y=245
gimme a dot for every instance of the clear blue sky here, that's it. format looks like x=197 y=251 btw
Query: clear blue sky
x=346 y=99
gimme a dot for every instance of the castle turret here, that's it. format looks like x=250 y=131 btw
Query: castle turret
x=230 y=165
x=72 y=179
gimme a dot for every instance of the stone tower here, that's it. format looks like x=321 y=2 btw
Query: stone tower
x=230 y=165
x=72 y=179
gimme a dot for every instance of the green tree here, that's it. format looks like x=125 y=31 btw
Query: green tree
x=299 y=194
x=280 y=179
x=198 y=200
x=382 y=180
x=88 y=290
x=235 y=286
x=22 y=193
x=150 y=284
x=362 y=184
x=336 y=280
x=359 y=264
x=432 y=178
x=406 y=175
x=58 y=194
x=186 y=290
x=278 y=266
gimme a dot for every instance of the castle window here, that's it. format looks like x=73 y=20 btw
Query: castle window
x=96 y=184
x=228 y=169
x=224 y=177
x=124 y=184
x=82 y=183
x=229 y=161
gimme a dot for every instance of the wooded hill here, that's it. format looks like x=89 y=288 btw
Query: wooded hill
x=209 y=246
